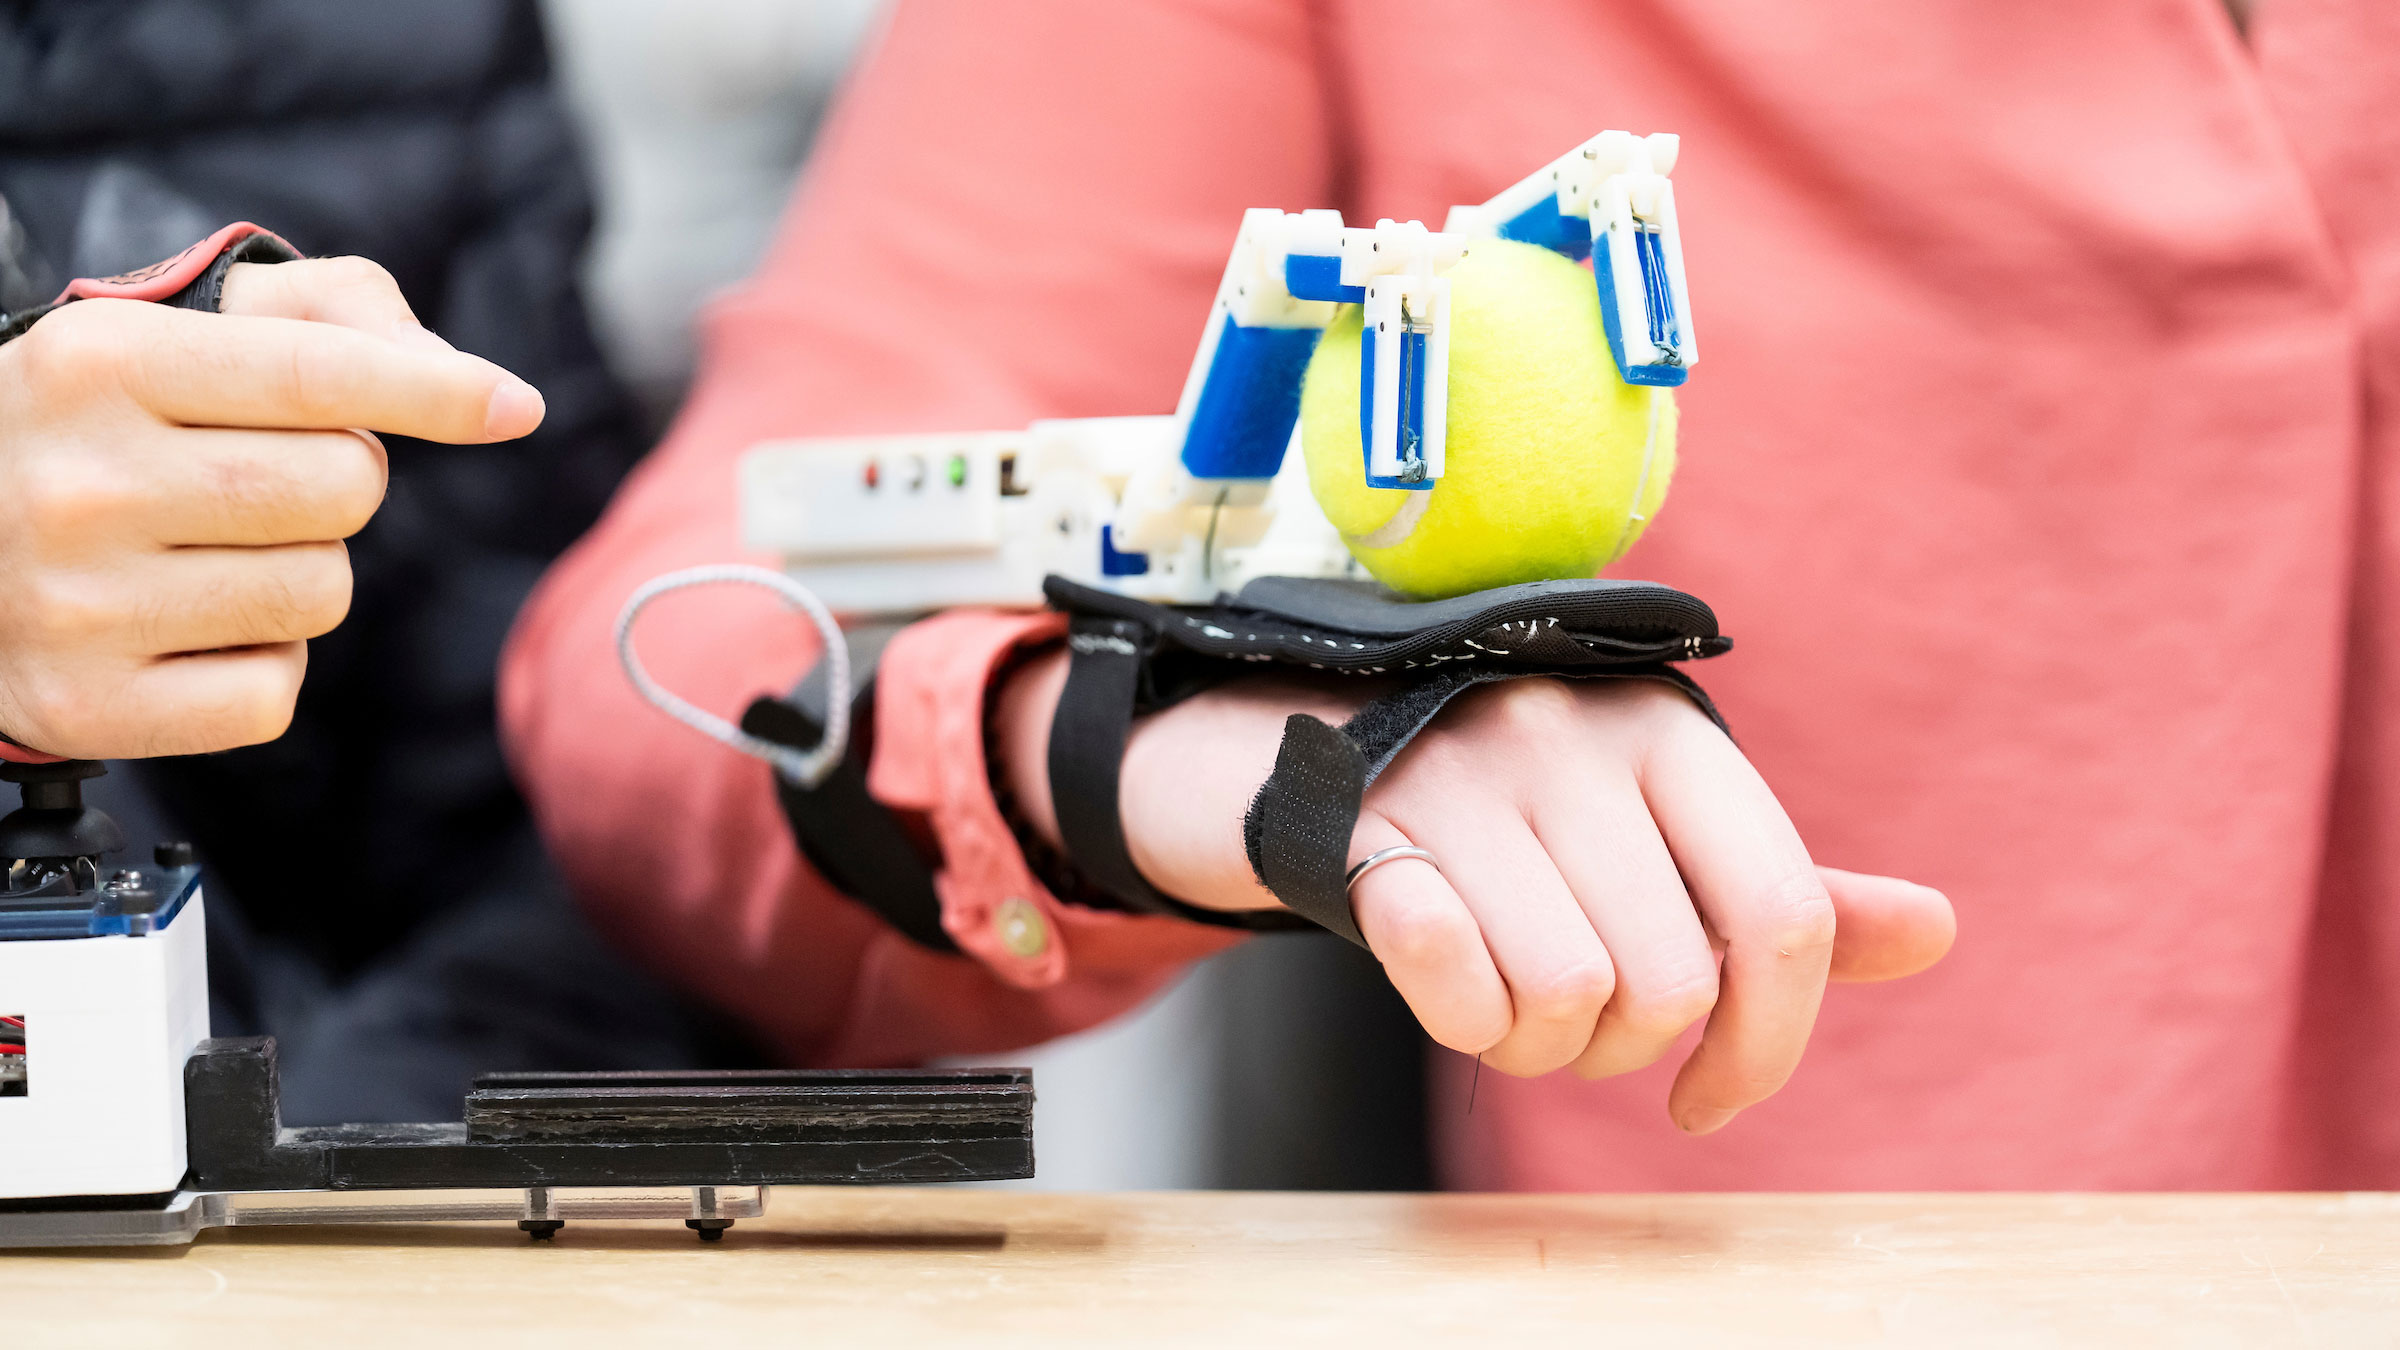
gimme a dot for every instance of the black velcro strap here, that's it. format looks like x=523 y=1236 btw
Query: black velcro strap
x=1298 y=829
x=206 y=293
x=853 y=840
x=1104 y=691
x=1087 y=752
x=1299 y=825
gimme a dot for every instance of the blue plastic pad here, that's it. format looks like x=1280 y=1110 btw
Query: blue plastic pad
x=1541 y=224
x=1249 y=402
x=1312 y=276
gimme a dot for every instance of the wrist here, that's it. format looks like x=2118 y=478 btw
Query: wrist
x=1190 y=773
x=1022 y=711
x=1188 y=776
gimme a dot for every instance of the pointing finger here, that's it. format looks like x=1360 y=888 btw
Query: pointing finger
x=230 y=370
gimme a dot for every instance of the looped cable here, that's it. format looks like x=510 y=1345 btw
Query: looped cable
x=807 y=768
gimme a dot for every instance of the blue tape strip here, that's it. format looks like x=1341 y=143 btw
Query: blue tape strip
x=1317 y=276
x=1542 y=224
x=1247 y=407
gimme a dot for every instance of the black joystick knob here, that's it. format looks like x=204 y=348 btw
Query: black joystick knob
x=54 y=823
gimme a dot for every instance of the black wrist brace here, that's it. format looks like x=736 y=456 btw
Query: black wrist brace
x=1129 y=658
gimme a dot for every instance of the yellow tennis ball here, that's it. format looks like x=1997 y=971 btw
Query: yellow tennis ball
x=1553 y=464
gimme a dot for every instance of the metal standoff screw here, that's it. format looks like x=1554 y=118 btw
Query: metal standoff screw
x=540 y=1225
x=705 y=1221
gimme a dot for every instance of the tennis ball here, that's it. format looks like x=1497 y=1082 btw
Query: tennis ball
x=1546 y=446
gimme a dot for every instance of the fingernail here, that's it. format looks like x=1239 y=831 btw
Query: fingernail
x=410 y=333
x=516 y=409
x=1705 y=1119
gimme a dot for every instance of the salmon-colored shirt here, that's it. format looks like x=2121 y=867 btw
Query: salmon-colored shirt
x=2042 y=459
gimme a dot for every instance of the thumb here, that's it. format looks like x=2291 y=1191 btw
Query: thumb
x=1885 y=928
x=359 y=294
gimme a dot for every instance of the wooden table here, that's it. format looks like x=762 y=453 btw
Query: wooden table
x=1006 y=1268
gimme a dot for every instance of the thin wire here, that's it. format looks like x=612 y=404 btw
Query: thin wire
x=1473 y=1083
x=808 y=768
x=1641 y=484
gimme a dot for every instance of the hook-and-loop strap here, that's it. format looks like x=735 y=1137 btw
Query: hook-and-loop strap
x=1129 y=657
x=1087 y=754
x=1104 y=691
x=1298 y=828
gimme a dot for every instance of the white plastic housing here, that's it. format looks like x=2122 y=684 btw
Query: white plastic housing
x=1650 y=197
x=899 y=550
x=109 y=1022
x=1395 y=306
x=1574 y=178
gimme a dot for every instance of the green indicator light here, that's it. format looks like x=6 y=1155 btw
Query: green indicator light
x=958 y=471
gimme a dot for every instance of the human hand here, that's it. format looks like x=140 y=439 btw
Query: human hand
x=175 y=488
x=1611 y=872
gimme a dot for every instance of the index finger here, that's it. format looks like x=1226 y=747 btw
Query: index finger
x=1752 y=880
x=231 y=370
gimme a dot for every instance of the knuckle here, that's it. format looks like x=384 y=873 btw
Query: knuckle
x=59 y=497
x=319 y=593
x=1536 y=709
x=1571 y=992
x=1663 y=1014
x=351 y=272
x=1795 y=915
x=1645 y=703
x=1471 y=1034
x=74 y=343
x=255 y=710
x=54 y=611
x=1420 y=935
x=1520 y=1059
x=60 y=710
x=355 y=489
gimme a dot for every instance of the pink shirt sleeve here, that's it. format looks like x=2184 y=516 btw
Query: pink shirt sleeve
x=1017 y=212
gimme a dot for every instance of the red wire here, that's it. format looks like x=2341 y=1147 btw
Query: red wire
x=17 y=1022
x=11 y=1049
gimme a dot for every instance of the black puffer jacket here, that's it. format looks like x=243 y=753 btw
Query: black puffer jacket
x=420 y=133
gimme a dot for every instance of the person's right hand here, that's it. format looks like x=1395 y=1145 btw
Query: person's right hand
x=175 y=488
x=1610 y=872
